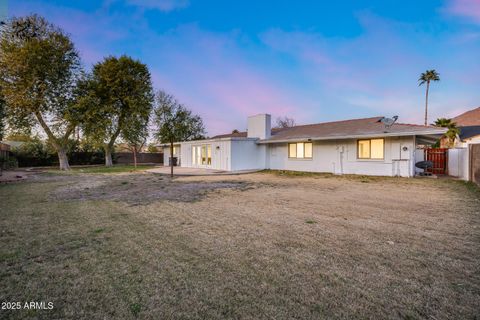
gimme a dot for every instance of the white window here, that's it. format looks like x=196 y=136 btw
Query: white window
x=300 y=150
x=370 y=149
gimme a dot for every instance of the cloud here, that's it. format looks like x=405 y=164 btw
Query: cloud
x=213 y=75
x=376 y=71
x=226 y=76
x=162 y=5
x=468 y=9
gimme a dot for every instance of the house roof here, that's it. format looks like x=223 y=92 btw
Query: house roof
x=345 y=129
x=469 y=118
x=4 y=147
x=469 y=132
x=366 y=127
x=355 y=128
x=14 y=144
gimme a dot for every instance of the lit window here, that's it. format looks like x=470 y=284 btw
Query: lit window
x=300 y=150
x=202 y=155
x=364 y=149
x=209 y=154
x=370 y=149
x=308 y=150
x=376 y=147
x=292 y=150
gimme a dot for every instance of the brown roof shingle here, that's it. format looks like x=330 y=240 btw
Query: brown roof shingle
x=469 y=118
x=344 y=128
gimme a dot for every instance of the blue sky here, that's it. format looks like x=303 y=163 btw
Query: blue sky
x=314 y=61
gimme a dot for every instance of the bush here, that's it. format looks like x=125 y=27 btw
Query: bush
x=8 y=163
x=36 y=153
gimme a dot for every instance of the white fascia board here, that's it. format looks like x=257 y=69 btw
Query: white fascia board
x=209 y=141
x=358 y=136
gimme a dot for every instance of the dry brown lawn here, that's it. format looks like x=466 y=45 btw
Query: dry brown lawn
x=256 y=246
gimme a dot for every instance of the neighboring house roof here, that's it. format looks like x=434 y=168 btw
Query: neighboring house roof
x=469 y=132
x=242 y=134
x=366 y=127
x=15 y=144
x=469 y=118
x=231 y=135
x=4 y=146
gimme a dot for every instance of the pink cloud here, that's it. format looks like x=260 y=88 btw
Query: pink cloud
x=209 y=72
x=469 y=9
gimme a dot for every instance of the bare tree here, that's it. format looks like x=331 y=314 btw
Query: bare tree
x=175 y=123
x=284 y=122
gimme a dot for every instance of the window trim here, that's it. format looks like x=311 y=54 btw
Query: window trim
x=370 y=149
x=296 y=148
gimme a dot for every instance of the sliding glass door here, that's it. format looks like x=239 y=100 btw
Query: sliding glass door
x=202 y=155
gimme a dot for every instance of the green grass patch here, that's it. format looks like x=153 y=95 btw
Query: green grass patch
x=135 y=308
x=99 y=230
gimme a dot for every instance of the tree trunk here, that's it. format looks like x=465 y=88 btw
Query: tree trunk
x=135 y=157
x=426 y=102
x=58 y=144
x=171 y=159
x=63 y=159
x=108 y=156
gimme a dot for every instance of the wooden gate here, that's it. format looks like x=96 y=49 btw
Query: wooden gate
x=439 y=158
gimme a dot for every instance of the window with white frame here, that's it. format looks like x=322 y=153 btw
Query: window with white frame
x=300 y=150
x=370 y=149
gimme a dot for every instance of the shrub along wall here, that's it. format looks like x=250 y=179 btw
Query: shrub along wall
x=85 y=158
x=74 y=158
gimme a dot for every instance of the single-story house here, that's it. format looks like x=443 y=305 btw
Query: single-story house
x=468 y=135
x=358 y=146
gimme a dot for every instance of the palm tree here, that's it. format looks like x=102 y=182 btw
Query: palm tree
x=453 y=130
x=426 y=77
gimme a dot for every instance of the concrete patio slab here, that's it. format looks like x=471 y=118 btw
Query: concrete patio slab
x=181 y=171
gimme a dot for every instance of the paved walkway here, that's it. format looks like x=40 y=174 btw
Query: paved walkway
x=180 y=171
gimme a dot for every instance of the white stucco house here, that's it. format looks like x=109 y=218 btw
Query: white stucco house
x=358 y=146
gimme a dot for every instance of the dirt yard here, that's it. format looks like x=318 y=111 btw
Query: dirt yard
x=256 y=246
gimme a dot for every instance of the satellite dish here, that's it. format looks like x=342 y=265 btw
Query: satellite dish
x=388 y=122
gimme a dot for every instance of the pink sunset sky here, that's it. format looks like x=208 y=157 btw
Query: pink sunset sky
x=311 y=62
